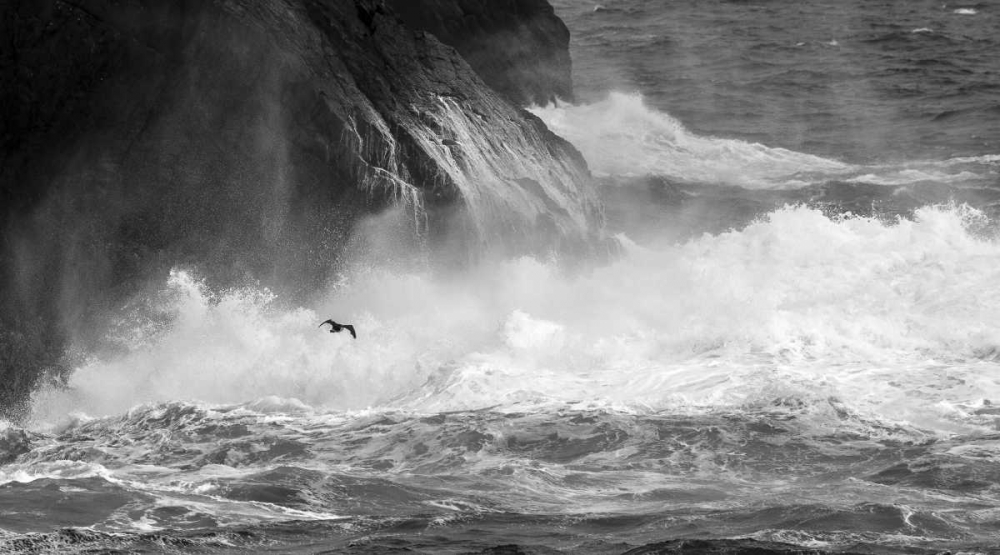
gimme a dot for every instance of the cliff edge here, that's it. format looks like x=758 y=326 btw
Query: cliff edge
x=519 y=47
x=246 y=140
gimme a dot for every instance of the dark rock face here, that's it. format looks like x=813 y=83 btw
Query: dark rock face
x=245 y=139
x=519 y=47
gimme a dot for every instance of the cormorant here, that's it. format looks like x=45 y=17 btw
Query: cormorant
x=335 y=327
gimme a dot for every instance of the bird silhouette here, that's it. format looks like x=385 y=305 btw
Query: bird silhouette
x=335 y=327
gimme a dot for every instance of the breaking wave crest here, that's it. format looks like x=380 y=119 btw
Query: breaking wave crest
x=893 y=318
x=622 y=136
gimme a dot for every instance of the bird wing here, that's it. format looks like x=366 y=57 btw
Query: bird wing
x=331 y=322
x=350 y=328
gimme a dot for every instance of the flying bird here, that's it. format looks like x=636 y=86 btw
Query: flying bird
x=335 y=327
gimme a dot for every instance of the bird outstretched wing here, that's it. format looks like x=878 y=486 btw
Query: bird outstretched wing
x=331 y=322
x=350 y=328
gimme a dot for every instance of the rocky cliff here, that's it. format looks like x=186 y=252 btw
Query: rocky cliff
x=518 y=47
x=247 y=140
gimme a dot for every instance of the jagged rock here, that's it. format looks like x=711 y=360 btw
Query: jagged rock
x=245 y=139
x=519 y=47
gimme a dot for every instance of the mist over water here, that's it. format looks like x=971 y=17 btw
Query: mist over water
x=622 y=136
x=719 y=378
x=801 y=346
x=797 y=305
x=782 y=381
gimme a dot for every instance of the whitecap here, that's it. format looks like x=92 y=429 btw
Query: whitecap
x=796 y=305
x=56 y=470
x=622 y=136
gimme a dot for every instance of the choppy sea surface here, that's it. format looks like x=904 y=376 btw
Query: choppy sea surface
x=797 y=350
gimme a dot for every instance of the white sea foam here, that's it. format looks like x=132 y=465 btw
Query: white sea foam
x=622 y=136
x=965 y=11
x=56 y=470
x=894 y=319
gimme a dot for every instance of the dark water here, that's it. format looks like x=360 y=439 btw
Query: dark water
x=862 y=81
x=869 y=108
x=797 y=351
x=182 y=478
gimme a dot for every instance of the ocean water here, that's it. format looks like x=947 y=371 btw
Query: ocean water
x=798 y=346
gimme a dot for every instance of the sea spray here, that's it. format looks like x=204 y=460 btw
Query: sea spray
x=797 y=305
x=623 y=136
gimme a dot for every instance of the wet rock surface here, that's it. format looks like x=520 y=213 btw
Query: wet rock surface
x=519 y=47
x=246 y=140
